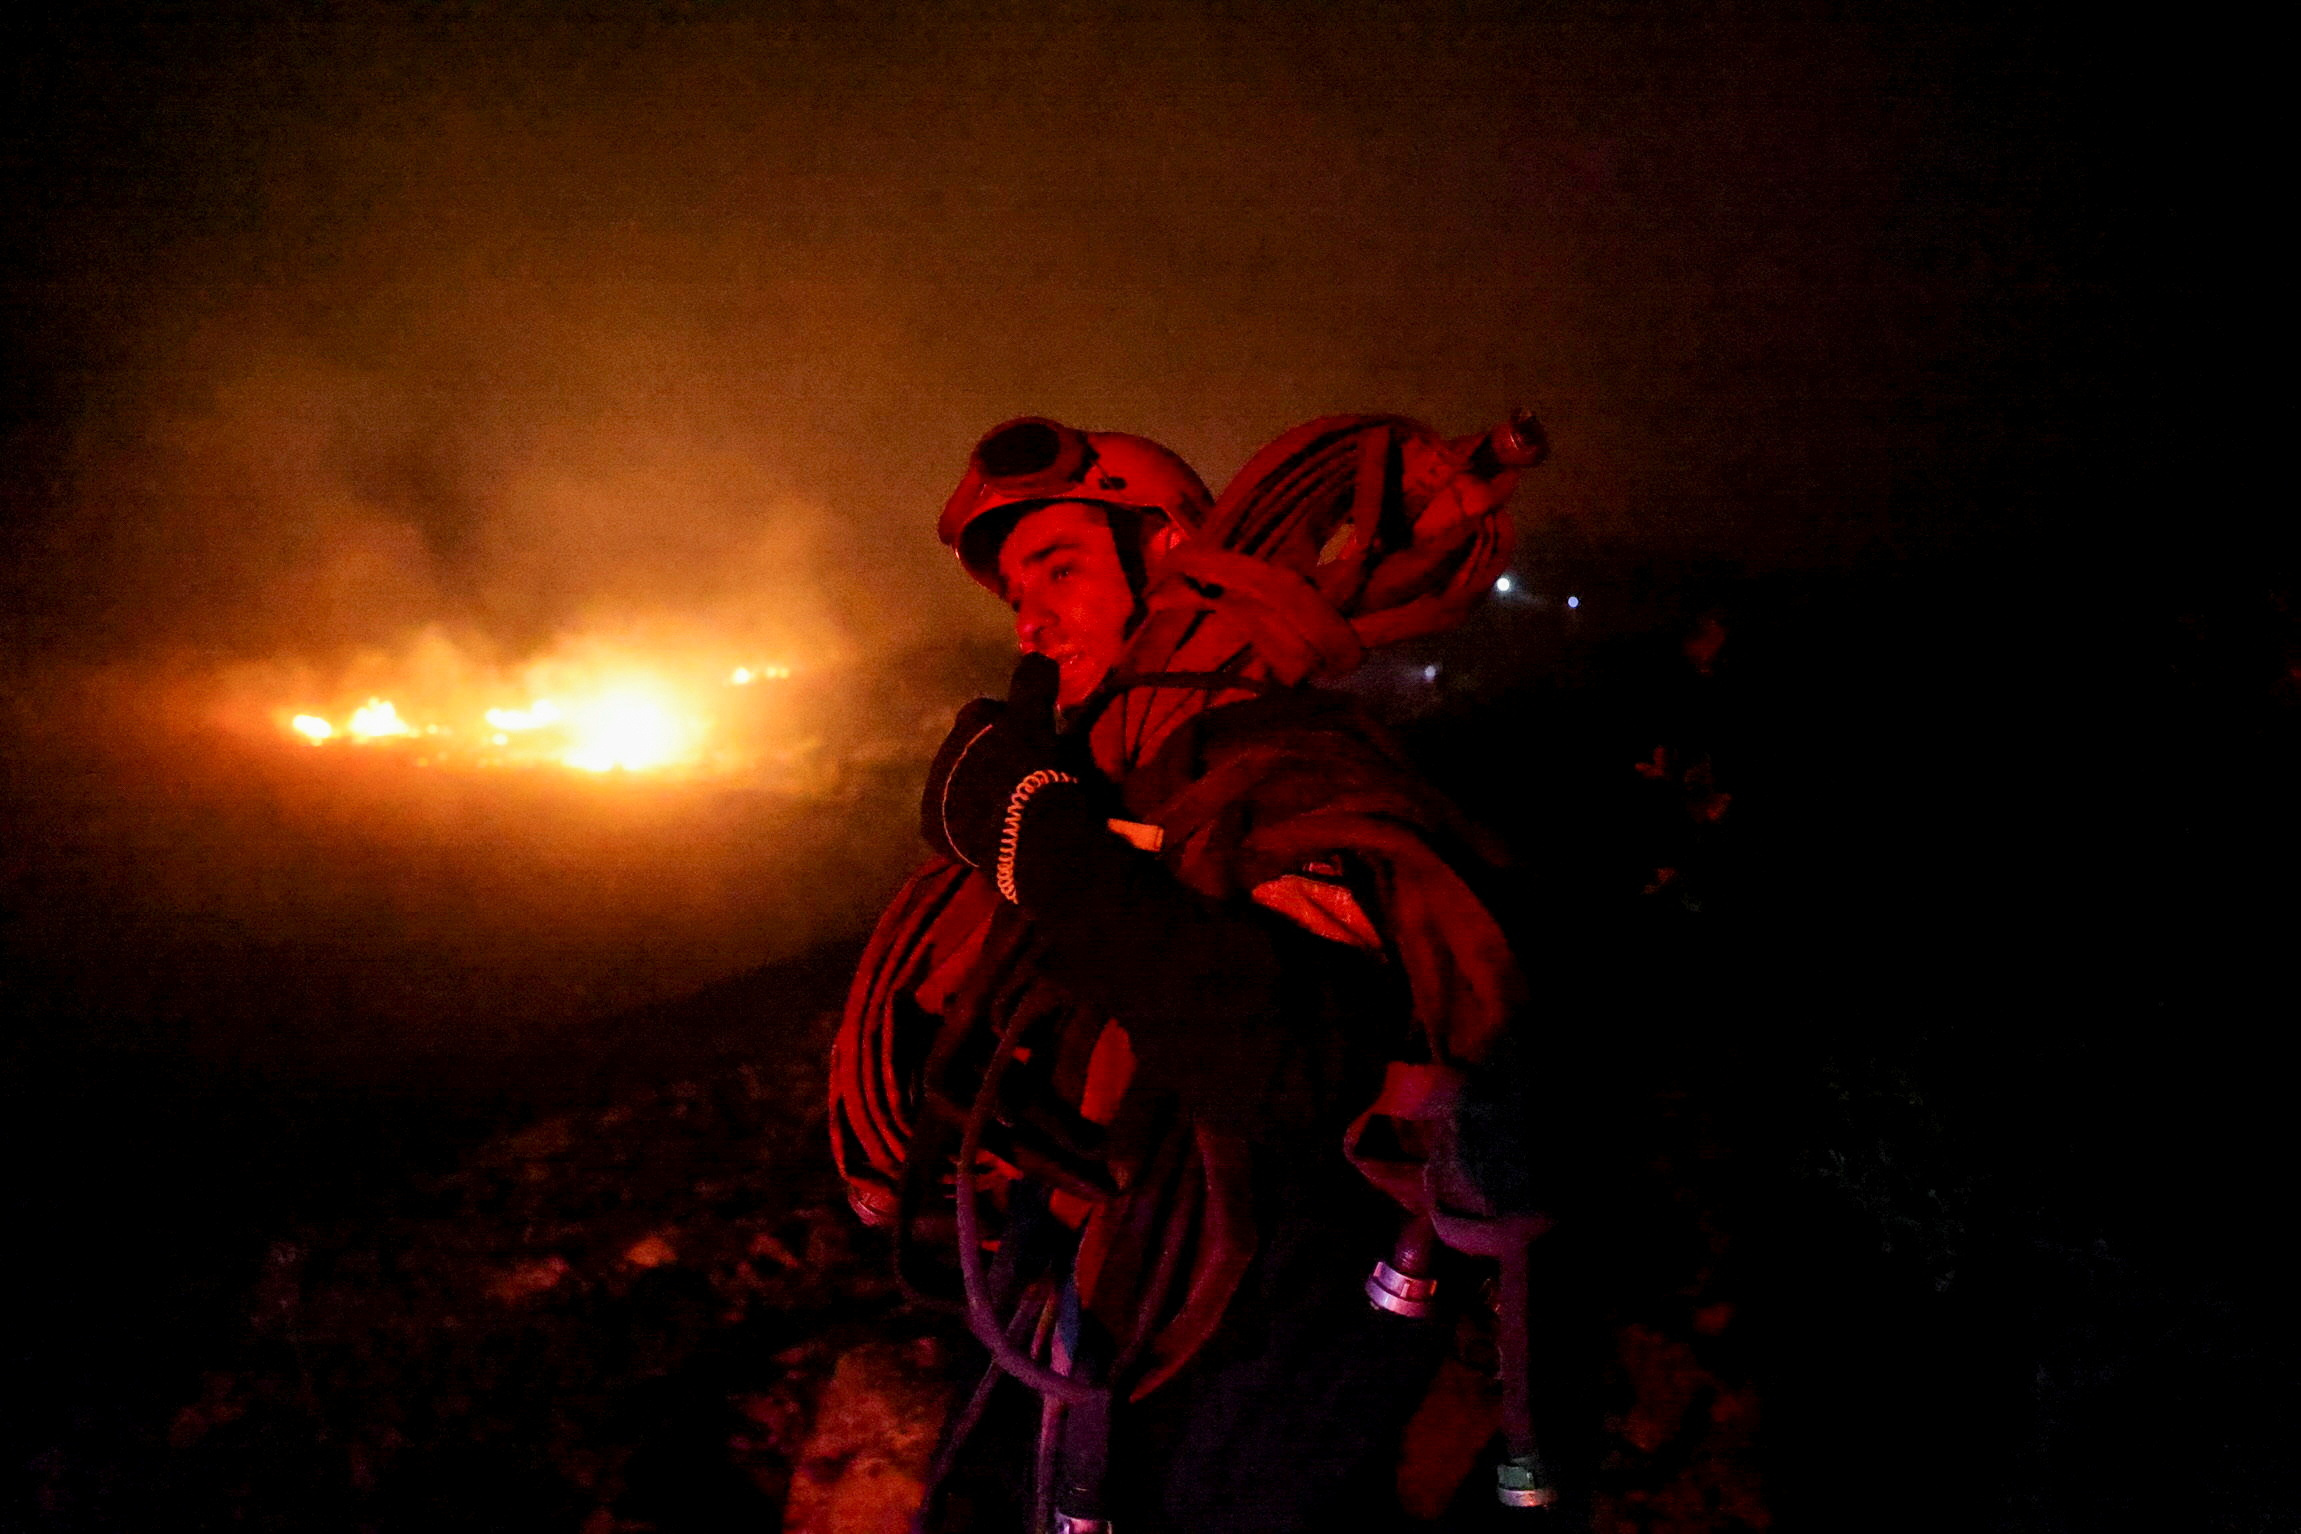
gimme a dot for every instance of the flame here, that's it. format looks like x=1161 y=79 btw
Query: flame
x=633 y=725
x=629 y=728
x=536 y=716
x=378 y=719
x=594 y=704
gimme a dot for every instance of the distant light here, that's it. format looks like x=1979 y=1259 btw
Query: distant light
x=1573 y=601
x=1502 y=584
x=742 y=676
x=1430 y=673
x=313 y=728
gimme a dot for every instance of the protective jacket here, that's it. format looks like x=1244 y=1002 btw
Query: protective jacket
x=1160 y=1059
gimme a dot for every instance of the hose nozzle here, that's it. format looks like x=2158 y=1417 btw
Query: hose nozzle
x=1518 y=443
x=1404 y=1285
x=1523 y=1481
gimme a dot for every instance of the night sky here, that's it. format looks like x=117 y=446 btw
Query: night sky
x=352 y=342
x=329 y=332
x=519 y=312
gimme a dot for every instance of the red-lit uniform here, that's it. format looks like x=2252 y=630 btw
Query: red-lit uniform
x=1195 y=1009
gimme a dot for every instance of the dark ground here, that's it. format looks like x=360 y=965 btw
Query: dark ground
x=1917 y=1146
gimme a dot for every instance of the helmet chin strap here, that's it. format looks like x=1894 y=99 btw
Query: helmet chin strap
x=1080 y=717
x=1126 y=530
x=1125 y=524
x=1196 y=681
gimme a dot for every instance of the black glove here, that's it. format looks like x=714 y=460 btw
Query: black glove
x=1200 y=984
x=992 y=751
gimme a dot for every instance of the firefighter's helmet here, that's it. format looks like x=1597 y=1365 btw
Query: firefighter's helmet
x=1031 y=462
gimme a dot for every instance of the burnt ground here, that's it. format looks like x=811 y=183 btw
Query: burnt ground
x=1900 y=1077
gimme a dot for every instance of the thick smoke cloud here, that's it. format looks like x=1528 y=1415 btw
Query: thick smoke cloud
x=454 y=336
x=499 y=316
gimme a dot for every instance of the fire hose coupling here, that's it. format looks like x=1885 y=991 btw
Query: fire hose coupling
x=1400 y=1294
x=1522 y=1481
x=1518 y=443
x=1404 y=1285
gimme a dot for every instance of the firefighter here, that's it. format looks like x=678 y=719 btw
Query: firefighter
x=1175 y=1011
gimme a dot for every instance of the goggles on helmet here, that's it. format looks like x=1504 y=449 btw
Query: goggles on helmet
x=1030 y=462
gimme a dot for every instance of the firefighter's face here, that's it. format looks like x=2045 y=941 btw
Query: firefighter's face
x=1070 y=593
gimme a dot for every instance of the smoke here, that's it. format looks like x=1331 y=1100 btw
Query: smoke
x=512 y=318
x=497 y=467
x=448 y=343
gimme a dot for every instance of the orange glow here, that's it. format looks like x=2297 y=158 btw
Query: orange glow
x=661 y=700
x=540 y=714
x=632 y=728
x=589 y=704
x=378 y=719
x=650 y=1252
